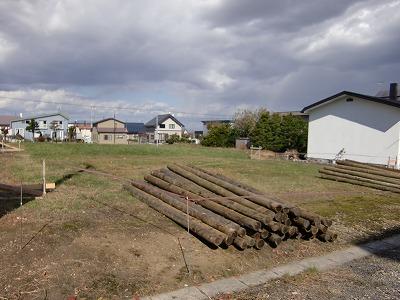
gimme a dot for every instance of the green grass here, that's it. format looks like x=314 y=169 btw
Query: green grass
x=290 y=180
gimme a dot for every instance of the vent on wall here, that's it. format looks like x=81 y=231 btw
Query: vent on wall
x=349 y=100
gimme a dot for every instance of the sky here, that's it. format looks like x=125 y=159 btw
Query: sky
x=197 y=59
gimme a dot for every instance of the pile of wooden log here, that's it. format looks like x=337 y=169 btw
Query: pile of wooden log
x=223 y=211
x=363 y=174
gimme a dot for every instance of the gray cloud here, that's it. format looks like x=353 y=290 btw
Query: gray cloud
x=209 y=57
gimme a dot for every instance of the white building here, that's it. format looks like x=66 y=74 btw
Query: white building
x=167 y=125
x=366 y=127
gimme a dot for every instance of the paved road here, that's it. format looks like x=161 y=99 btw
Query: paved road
x=373 y=277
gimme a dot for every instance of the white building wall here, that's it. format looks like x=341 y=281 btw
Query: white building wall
x=368 y=131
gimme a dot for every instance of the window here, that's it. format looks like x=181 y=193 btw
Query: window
x=120 y=136
x=45 y=122
x=60 y=122
x=349 y=100
x=27 y=121
x=171 y=126
x=162 y=125
x=106 y=137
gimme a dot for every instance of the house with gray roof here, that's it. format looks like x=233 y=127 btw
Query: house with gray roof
x=355 y=126
x=51 y=126
x=165 y=125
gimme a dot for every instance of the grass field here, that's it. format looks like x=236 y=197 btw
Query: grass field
x=90 y=249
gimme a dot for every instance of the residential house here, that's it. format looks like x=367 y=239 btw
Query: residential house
x=208 y=123
x=167 y=125
x=109 y=131
x=136 y=133
x=5 y=122
x=51 y=126
x=83 y=131
x=355 y=126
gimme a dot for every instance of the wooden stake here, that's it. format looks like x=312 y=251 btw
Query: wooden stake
x=44 y=176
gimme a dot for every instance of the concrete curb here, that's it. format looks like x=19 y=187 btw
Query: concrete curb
x=239 y=283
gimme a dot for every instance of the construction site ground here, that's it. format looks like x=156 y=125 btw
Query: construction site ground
x=90 y=238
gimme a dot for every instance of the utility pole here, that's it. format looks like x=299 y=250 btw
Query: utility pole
x=157 y=130
x=114 y=127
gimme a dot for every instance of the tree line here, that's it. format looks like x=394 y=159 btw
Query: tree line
x=268 y=130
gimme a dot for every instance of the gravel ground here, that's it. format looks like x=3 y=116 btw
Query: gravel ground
x=374 y=277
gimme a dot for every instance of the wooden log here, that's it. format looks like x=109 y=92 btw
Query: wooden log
x=274 y=240
x=293 y=230
x=259 y=243
x=362 y=183
x=264 y=234
x=285 y=208
x=263 y=218
x=345 y=175
x=357 y=164
x=233 y=189
x=215 y=207
x=378 y=178
x=377 y=172
x=177 y=190
x=207 y=217
x=250 y=241
x=240 y=242
x=299 y=221
x=181 y=170
x=273 y=226
x=230 y=180
x=203 y=230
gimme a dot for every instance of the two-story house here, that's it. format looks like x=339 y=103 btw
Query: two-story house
x=109 y=131
x=51 y=126
x=167 y=125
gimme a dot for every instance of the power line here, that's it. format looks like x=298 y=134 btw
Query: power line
x=119 y=108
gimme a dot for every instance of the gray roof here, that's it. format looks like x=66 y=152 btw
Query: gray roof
x=6 y=120
x=360 y=96
x=162 y=119
x=216 y=121
x=41 y=116
x=107 y=119
x=135 y=128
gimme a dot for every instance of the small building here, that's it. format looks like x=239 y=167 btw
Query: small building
x=242 y=143
x=51 y=126
x=208 y=123
x=137 y=133
x=83 y=131
x=109 y=131
x=355 y=126
x=167 y=125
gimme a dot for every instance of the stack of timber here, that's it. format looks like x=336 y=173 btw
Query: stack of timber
x=223 y=211
x=363 y=174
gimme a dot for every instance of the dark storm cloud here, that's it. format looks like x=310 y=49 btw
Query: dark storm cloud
x=276 y=16
x=221 y=54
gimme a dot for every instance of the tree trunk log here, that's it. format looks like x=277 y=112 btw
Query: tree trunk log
x=240 y=243
x=362 y=183
x=379 y=178
x=215 y=207
x=207 y=217
x=205 y=231
x=235 y=190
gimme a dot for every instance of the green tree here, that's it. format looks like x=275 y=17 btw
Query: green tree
x=280 y=133
x=33 y=127
x=4 y=131
x=72 y=133
x=220 y=135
